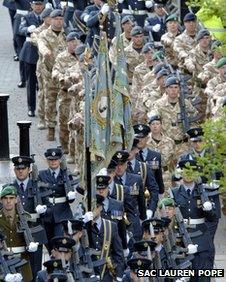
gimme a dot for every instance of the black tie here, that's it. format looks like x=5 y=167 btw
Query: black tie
x=22 y=186
x=95 y=227
x=141 y=155
x=130 y=167
x=189 y=192
x=120 y=180
x=53 y=174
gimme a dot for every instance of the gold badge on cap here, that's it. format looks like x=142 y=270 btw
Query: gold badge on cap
x=119 y=155
x=55 y=264
x=139 y=262
x=64 y=241
x=196 y=132
x=154 y=222
x=20 y=160
x=145 y=244
x=100 y=179
x=53 y=154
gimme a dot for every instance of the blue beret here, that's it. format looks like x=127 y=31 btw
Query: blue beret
x=190 y=17
x=72 y=36
x=80 y=49
x=171 y=80
x=137 y=30
x=56 y=13
x=46 y=13
x=162 y=72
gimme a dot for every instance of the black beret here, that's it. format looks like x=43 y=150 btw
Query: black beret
x=148 y=47
x=202 y=33
x=22 y=161
x=53 y=153
x=56 y=13
x=190 y=17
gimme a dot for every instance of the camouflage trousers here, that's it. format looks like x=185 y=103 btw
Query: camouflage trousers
x=76 y=144
x=51 y=90
x=41 y=92
x=64 y=110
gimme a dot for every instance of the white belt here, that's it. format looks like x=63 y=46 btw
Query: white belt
x=34 y=215
x=28 y=39
x=70 y=4
x=58 y=200
x=17 y=250
x=134 y=12
x=191 y=221
x=21 y=12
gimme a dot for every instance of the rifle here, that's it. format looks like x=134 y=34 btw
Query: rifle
x=4 y=268
x=22 y=224
x=67 y=181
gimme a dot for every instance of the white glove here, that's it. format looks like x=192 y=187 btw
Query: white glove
x=149 y=214
x=85 y=19
x=41 y=209
x=31 y=28
x=105 y=9
x=207 y=206
x=71 y=195
x=156 y=27
x=48 y=6
x=88 y=216
x=17 y=277
x=126 y=253
x=33 y=246
x=148 y=4
x=192 y=249
x=120 y=1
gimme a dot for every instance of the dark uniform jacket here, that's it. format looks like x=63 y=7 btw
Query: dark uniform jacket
x=29 y=52
x=24 y=5
x=190 y=208
x=154 y=160
x=115 y=251
x=10 y=4
x=150 y=184
x=15 y=239
x=60 y=211
x=150 y=22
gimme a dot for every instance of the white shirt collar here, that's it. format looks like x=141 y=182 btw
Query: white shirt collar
x=57 y=171
x=25 y=182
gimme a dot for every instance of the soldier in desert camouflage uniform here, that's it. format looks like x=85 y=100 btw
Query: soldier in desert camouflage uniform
x=194 y=62
x=215 y=89
x=64 y=61
x=169 y=110
x=186 y=41
x=40 y=71
x=51 y=42
x=133 y=54
x=127 y=23
x=210 y=70
x=168 y=38
x=159 y=142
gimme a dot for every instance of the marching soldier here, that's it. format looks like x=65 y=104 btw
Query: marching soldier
x=63 y=62
x=136 y=190
x=151 y=189
x=50 y=43
x=28 y=196
x=186 y=41
x=60 y=198
x=133 y=54
x=169 y=109
x=163 y=144
x=105 y=238
x=9 y=220
x=195 y=211
x=29 y=52
x=152 y=158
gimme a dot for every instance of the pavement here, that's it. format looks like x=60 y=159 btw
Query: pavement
x=17 y=110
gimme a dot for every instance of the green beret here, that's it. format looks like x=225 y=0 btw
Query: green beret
x=166 y=202
x=136 y=30
x=221 y=62
x=172 y=17
x=8 y=190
